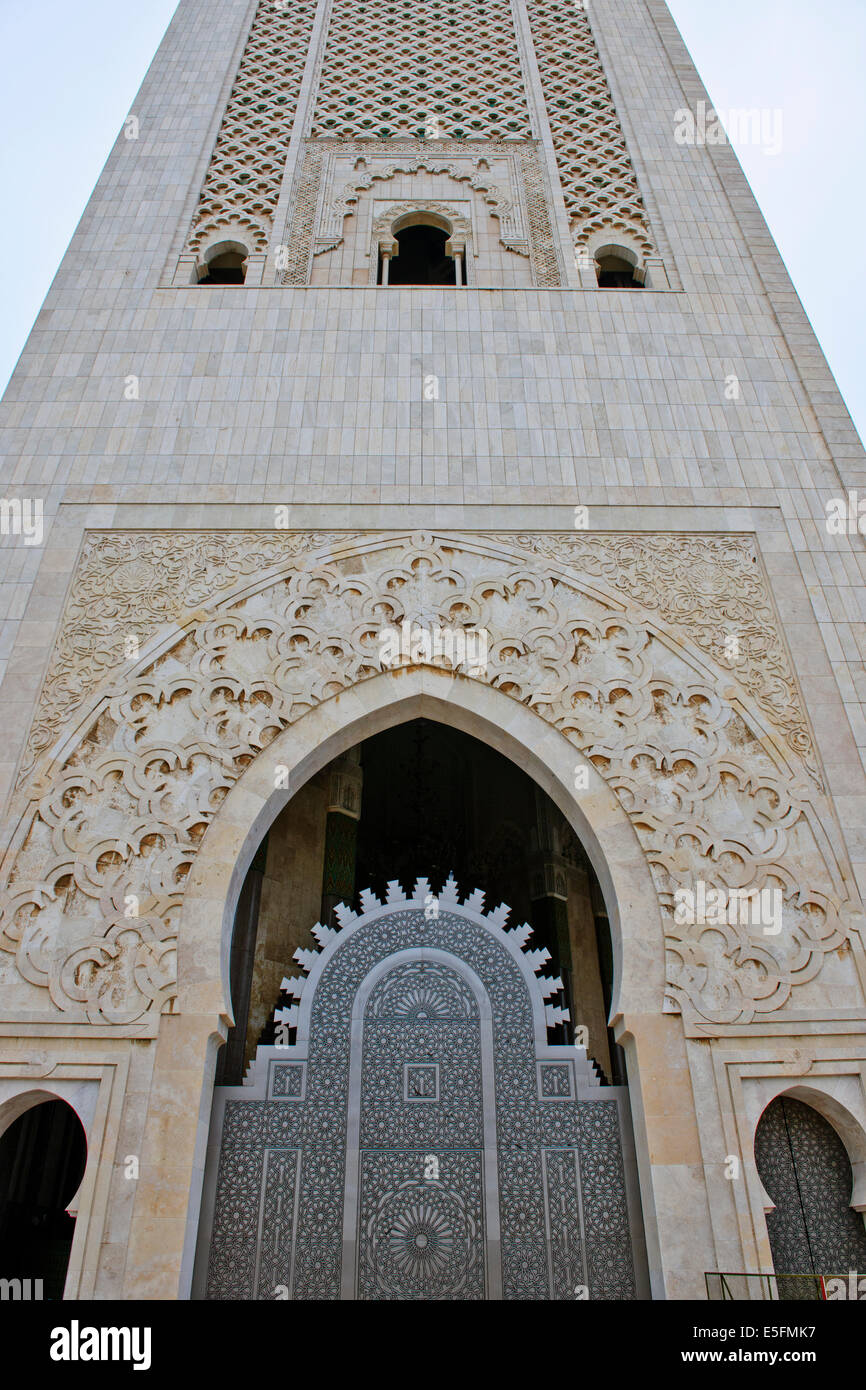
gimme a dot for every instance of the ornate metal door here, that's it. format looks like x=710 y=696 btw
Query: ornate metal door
x=420 y=1139
x=805 y=1168
x=420 y=1193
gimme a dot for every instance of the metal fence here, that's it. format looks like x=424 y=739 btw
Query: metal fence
x=774 y=1288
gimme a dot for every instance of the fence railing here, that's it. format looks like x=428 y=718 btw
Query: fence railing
x=779 y=1288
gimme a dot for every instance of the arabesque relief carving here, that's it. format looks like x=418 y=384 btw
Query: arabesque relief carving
x=503 y=203
x=519 y=201
x=616 y=640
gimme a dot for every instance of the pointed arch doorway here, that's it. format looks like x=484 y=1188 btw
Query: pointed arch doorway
x=43 y=1152
x=460 y=1117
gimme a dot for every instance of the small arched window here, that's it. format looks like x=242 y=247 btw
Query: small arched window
x=616 y=272
x=224 y=264
x=421 y=258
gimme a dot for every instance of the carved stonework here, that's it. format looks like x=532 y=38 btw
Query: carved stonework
x=710 y=588
x=616 y=640
x=383 y=221
x=449 y=68
x=598 y=180
x=127 y=586
x=242 y=184
x=332 y=176
x=504 y=202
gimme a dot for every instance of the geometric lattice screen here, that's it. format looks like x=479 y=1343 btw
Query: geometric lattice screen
x=242 y=186
x=390 y=69
x=406 y=69
x=595 y=171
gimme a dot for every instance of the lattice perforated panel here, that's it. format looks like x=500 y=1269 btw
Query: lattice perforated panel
x=595 y=170
x=392 y=67
x=242 y=185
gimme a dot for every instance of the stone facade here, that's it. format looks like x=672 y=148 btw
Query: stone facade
x=241 y=483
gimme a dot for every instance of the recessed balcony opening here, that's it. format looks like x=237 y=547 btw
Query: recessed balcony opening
x=421 y=259
x=226 y=269
x=616 y=273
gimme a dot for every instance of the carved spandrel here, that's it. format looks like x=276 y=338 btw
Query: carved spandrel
x=572 y=633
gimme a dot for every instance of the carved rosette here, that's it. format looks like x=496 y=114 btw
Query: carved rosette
x=619 y=641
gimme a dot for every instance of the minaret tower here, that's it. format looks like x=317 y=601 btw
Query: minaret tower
x=440 y=319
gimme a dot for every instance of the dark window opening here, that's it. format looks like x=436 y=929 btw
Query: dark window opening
x=615 y=273
x=421 y=259
x=227 y=269
x=42 y=1158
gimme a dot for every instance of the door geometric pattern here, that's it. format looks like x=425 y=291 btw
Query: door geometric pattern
x=805 y=1168
x=419 y=1156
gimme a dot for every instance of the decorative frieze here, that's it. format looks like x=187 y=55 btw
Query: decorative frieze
x=616 y=640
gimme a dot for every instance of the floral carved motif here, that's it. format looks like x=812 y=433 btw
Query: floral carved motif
x=126 y=587
x=616 y=640
x=712 y=589
x=321 y=200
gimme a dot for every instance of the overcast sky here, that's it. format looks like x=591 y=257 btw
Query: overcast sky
x=69 y=74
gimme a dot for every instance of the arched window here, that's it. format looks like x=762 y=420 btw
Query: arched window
x=421 y=246
x=42 y=1158
x=615 y=272
x=421 y=258
x=224 y=264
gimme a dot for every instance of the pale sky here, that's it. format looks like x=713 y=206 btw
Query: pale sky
x=69 y=75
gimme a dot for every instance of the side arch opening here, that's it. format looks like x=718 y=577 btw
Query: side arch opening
x=43 y=1152
x=814 y=1232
